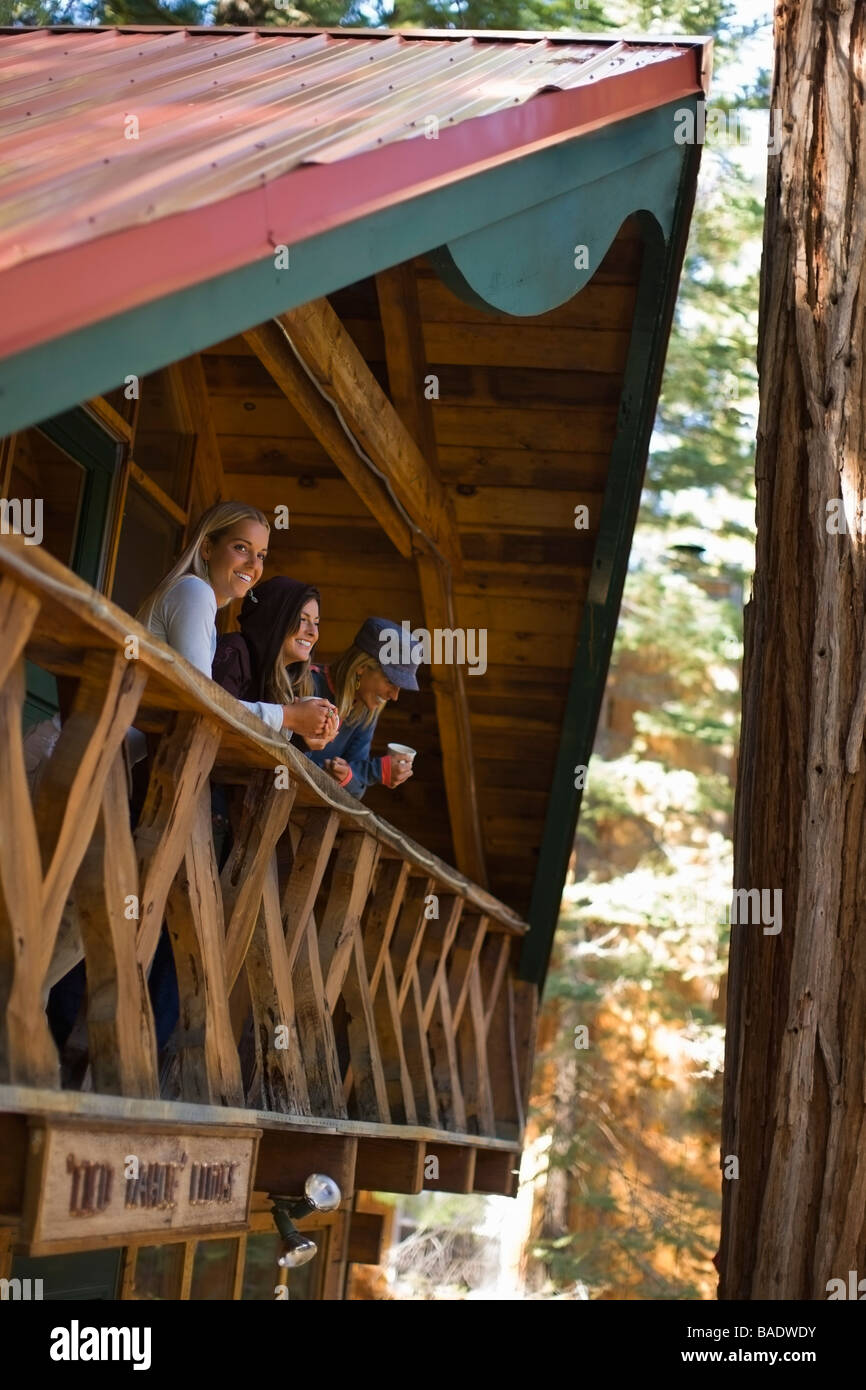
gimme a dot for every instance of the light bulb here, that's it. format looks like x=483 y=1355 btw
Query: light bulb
x=322 y=1192
x=297 y=1250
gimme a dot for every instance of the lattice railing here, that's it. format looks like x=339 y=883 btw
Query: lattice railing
x=332 y=968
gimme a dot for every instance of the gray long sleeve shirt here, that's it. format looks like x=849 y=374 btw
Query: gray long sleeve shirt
x=185 y=618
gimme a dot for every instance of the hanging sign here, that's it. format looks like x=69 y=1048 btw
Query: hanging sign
x=94 y=1184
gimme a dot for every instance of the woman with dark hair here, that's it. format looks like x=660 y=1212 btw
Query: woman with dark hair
x=361 y=682
x=269 y=658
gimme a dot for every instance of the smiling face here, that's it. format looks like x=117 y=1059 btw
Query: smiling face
x=298 y=646
x=375 y=689
x=235 y=560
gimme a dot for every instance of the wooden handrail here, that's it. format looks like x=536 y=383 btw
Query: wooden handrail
x=74 y=618
x=329 y=968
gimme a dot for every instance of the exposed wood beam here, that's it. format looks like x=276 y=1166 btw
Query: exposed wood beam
x=338 y=365
x=455 y=732
x=192 y=400
x=153 y=490
x=268 y=342
x=397 y=290
x=404 y=351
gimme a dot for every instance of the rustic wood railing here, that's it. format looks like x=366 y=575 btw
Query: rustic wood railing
x=381 y=983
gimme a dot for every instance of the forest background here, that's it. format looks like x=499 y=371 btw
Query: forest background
x=625 y=1160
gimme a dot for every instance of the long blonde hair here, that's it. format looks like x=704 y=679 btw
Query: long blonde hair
x=284 y=689
x=213 y=524
x=345 y=674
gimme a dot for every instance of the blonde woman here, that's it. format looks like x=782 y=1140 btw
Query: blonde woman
x=224 y=561
x=361 y=684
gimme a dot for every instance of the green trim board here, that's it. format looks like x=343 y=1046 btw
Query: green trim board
x=56 y=375
x=542 y=257
x=657 y=291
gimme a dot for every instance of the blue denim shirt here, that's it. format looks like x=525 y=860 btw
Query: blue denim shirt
x=352 y=743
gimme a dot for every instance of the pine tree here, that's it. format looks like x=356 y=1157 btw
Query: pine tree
x=796 y=1064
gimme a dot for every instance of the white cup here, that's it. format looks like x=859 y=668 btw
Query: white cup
x=401 y=753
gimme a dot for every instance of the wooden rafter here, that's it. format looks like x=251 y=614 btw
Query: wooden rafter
x=189 y=387
x=407 y=370
x=341 y=370
x=269 y=343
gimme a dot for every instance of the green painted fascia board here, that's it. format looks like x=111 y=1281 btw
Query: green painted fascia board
x=654 y=309
x=543 y=256
x=57 y=375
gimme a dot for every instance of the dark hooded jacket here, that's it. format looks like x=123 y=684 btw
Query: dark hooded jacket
x=244 y=660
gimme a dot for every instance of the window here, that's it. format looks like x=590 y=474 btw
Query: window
x=164 y=435
x=46 y=477
x=69 y=466
x=213 y=1272
x=158 y=485
x=262 y=1273
x=159 y=1271
x=150 y=541
x=90 y=1274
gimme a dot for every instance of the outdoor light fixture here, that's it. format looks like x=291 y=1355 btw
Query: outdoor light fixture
x=297 y=1250
x=321 y=1193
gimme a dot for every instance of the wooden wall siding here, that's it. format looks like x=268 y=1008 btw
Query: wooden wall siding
x=318 y=926
x=524 y=426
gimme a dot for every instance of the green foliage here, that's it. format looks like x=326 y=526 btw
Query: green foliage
x=707 y=410
x=499 y=14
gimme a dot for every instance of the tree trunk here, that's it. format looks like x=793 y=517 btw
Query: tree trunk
x=795 y=1084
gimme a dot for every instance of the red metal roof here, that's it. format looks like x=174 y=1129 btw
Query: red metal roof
x=113 y=142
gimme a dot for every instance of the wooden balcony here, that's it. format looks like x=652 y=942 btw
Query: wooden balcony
x=386 y=1007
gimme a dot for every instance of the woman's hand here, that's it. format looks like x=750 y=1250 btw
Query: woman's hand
x=316 y=745
x=338 y=768
x=314 y=719
x=401 y=769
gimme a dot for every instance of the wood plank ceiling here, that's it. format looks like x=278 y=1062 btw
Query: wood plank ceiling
x=524 y=424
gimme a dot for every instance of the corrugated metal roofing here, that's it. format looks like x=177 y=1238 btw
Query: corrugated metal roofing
x=102 y=130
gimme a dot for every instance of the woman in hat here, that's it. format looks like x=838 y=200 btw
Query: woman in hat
x=361 y=682
x=269 y=658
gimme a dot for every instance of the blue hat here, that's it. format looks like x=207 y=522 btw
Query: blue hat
x=395 y=649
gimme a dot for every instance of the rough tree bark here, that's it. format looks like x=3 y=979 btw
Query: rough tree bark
x=795 y=1085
